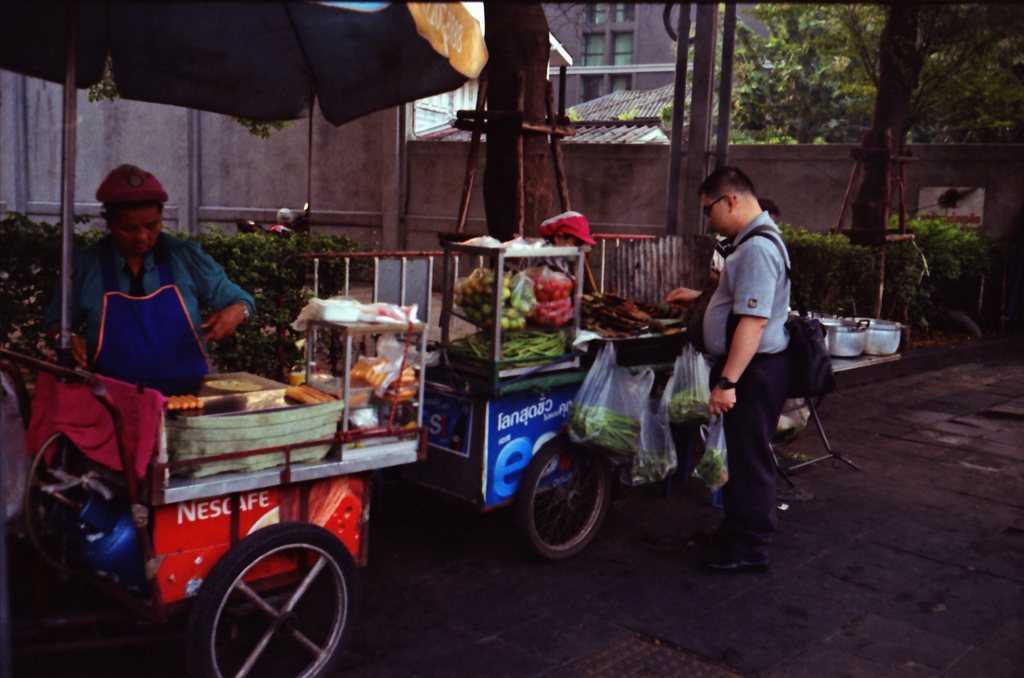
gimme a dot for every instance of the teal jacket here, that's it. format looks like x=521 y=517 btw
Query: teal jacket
x=199 y=278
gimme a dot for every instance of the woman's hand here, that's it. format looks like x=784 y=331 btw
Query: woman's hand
x=682 y=296
x=224 y=322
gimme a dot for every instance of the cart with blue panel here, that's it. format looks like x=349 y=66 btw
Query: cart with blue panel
x=496 y=428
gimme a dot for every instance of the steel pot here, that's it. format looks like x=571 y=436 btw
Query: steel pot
x=844 y=338
x=883 y=336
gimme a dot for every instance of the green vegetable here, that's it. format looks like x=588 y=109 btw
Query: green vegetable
x=712 y=471
x=514 y=346
x=603 y=427
x=688 y=407
x=650 y=469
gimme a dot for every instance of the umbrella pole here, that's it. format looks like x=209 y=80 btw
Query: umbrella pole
x=67 y=195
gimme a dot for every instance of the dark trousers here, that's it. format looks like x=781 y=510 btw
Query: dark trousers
x=749 y=496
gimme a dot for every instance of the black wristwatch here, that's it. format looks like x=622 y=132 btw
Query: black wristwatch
x=725 y=384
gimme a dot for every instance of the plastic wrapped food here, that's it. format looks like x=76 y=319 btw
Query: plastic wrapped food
x=553 y=290
x=475 y=296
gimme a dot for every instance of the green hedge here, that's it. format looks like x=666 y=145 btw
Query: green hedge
x=940 y=269
x=30 y=265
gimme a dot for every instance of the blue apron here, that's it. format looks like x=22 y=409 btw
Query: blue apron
x=146 y=338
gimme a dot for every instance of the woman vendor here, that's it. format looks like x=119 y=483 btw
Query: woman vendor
x=569 y=229
x=139 y=291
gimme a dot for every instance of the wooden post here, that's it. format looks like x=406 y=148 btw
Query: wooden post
x=556 y=151
x=849 y=193
x=520 y=183
x=474 y=150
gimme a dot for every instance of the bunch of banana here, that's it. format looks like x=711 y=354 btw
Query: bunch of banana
x=184 y=402
x=308 y=395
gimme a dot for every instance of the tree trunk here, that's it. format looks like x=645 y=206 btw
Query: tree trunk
x=899 y=65
x=517 y=43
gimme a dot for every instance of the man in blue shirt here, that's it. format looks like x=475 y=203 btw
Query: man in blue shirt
x=744 y=330
x=139 y=292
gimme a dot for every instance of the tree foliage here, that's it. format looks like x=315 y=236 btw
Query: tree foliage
x=823 y=73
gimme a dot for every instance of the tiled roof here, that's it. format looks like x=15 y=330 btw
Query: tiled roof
x=636 y=131
x=609 y=107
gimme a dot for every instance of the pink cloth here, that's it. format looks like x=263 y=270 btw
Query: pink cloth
x=73 y=410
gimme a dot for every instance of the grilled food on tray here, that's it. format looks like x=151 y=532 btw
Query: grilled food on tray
x=308 y=395
x=184 y=402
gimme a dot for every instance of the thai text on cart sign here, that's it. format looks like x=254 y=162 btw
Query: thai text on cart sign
x=545 y=408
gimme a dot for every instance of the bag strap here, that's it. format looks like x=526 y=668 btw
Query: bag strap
x=763 y=231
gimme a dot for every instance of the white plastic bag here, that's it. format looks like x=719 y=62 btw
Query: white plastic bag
x=686 y=396
x=795 y=414
x=338 y=309
x=713 y=469
x=607 y=410
x=656 y=454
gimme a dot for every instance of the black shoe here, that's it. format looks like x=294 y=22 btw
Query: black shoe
x=732 y=565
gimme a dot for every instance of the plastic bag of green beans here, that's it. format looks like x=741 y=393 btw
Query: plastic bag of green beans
x=607 y=410
x=656 y=452
x=687 y=393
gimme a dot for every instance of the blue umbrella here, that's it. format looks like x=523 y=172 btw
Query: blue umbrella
x=263 y=61
x=254 y=60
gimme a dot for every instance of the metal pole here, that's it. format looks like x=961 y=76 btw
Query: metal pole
x=725 y=87
x=67 y=193
x=678 y=109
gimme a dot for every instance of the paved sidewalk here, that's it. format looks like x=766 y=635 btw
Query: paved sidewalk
x=912 y=567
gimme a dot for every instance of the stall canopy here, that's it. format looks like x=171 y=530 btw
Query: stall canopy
x=255 y=60
x=263 y=61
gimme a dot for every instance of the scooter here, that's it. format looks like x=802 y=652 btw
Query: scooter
x=287 y=224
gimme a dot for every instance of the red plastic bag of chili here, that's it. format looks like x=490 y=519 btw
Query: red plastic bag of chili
x=553 y=290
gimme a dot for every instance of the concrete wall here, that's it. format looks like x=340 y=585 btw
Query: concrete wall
x=216 y=172
x=622 y=189
x=213 y=169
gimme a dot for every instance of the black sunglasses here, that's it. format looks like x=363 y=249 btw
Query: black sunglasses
x=707 y=208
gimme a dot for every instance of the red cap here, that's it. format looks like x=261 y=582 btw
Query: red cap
x=128 y=183
x=568 y=223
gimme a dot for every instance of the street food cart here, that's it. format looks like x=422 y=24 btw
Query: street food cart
x=248 y=509
x=496 y=420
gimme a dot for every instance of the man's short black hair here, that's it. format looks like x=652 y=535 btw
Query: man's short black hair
x=726 y=179
x=114 y=209
x=768 y=206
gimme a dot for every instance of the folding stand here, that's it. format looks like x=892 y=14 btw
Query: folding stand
x=832 y=454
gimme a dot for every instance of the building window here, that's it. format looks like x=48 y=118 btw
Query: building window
x=623 y=43
x=593 y=49
x=624 y=11
x=597 y=13
x=593 y=87
x=622 y=83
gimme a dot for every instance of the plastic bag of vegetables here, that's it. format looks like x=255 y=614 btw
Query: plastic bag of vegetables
x=686 y=396
x=475 y=295
x=607 y=410
x=713 y=469
x=553 y=290
x=656 y=453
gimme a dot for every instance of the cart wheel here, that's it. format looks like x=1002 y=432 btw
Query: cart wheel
x=281 y=602
x=562 y=499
